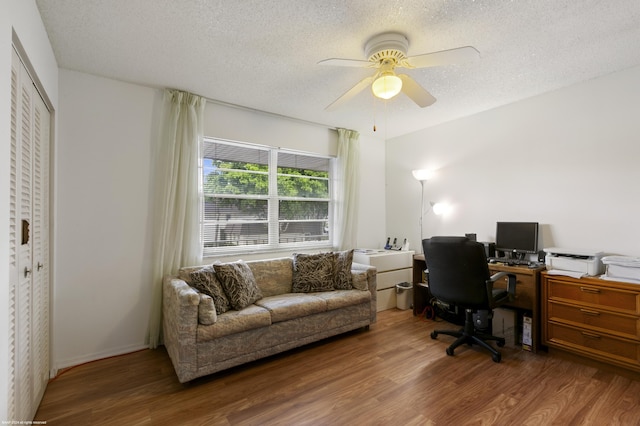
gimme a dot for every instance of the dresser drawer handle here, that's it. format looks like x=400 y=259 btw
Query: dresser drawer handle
x=590 y=290
x=590 y=335
x=588 y=312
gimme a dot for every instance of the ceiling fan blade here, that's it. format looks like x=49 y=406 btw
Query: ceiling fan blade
x=337 y=62
x=349 y=94
x=444 y=57
x=416 y=92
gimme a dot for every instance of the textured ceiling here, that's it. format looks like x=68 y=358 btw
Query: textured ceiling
x=263 y=54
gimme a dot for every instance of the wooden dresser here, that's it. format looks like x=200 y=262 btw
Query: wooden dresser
x=591 y=317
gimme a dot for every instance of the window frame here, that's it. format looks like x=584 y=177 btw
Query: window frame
x=273 y=200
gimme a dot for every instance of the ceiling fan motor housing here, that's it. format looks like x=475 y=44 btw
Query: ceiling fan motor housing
x=387 y=46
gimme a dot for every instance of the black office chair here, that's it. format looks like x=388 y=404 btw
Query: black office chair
x=459 y=275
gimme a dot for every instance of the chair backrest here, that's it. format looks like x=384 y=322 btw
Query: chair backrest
x=458 y=271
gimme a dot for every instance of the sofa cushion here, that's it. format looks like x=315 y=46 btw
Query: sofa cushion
x=342 y=298
x=312 y=272
x=233 y=322
x=342 y=269
x=205 y=281
x=238 y=283
x=292 y=305
x=273 y=276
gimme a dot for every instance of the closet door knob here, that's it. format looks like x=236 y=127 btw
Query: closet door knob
x=27 y=271
x=40 y=266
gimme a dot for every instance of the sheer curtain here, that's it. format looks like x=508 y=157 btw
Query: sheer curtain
x=347 y=185
x=176 y=221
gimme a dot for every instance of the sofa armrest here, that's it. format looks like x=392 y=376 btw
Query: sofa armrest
x=370 y=272
x=179 y=325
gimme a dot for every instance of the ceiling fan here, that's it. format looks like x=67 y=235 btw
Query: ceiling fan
x=385 y=53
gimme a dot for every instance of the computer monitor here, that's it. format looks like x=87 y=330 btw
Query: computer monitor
x=517 y=238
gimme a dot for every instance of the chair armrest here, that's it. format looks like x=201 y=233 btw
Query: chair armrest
x=511 y=283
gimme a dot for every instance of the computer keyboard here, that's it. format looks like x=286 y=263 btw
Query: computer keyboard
x=509 y=261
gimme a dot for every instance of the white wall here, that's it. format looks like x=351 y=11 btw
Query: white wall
x=566 y=159
x=372 y=212
x=104 y=252
x=22 y=17
x=244 y=125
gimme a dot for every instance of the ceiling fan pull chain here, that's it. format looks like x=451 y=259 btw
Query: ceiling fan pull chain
x=373 y=102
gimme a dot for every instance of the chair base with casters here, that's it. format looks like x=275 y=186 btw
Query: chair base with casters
x=469 y=335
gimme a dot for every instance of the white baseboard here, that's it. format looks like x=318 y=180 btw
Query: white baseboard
x=72 y=362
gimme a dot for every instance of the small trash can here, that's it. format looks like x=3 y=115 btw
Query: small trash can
x=404 y=295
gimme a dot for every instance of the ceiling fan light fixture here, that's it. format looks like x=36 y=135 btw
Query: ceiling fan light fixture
x=387 y=85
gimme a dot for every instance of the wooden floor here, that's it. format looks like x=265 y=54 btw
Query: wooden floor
x=393 y=374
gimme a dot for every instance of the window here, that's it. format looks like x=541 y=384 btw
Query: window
x=257 y=197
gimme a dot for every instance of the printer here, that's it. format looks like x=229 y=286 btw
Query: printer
x=582 y=261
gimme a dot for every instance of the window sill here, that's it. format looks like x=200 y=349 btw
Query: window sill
x=264 y=253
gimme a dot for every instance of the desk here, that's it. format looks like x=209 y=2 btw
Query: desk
x=527 y=295
x=527 y=298
x=421 y=295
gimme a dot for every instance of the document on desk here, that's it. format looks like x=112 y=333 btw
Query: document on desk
x=572 y=274
x=623 y=280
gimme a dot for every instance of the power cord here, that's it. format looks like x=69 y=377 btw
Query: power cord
x=429 y=311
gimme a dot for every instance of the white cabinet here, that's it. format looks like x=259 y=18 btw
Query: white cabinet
x=393 y=267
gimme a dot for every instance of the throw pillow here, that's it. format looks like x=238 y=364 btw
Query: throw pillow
x=238 y=283
x=312 y=272
x=206 y=310
x=359 y=281
x=342 y=270
x=205 y=281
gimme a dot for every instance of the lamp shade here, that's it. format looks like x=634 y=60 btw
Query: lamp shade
x=387 y=85
x=421 y=174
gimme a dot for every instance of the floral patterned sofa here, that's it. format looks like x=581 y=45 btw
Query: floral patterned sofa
x=222 y=315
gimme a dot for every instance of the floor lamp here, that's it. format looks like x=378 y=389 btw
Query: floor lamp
x=422 y=176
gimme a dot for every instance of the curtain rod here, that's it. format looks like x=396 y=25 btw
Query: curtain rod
x=258 y=111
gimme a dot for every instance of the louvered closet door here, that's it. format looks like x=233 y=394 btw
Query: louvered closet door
x=40 y=253
x=13 y=237
x=29 y=240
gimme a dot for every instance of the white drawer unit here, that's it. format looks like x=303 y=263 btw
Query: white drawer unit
x=393 y=267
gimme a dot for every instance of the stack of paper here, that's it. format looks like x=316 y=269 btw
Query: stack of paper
x=622 y=268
